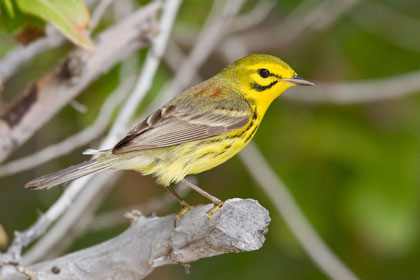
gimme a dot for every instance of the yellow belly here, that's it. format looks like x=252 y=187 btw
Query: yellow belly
x=171 y=164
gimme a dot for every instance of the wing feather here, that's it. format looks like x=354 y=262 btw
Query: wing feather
x=186 y=119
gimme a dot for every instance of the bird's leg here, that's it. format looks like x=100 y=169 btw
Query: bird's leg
x=217 y=202
x=185 y=206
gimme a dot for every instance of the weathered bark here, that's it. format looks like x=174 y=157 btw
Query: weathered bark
x=152 y=242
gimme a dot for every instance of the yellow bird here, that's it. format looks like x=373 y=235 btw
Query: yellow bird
x=196 y=131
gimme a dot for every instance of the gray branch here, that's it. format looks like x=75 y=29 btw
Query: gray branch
x=148 y=243
x=43 y=99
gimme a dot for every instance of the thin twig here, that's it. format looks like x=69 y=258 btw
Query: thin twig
x=83 y=137
x=232 y=46
x=99 y=12
x=79 y=107
x=174 y=57
x=387 y=24
x=88 y=198
x=17 y=58
x=211 y=34
x=278 y=193
x=252 y=18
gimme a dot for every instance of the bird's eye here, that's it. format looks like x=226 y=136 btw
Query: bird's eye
x=264 y=73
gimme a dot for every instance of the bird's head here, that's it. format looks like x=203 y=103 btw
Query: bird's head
x=261 y=78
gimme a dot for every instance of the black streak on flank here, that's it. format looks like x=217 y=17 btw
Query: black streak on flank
x=205 y=155
x=251 y=134
x=16 y=112
x=258 y=87
x=227 y=147
x=255 y=116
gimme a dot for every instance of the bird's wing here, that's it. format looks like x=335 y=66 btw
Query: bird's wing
x=201 y=112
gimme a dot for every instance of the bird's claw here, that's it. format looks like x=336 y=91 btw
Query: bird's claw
x=214 y=209
x=185 y=208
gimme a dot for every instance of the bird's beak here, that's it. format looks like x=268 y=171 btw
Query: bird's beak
x=299 y=81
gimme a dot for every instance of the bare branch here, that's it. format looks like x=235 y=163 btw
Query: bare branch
x=148 y=243
x=17 y=58
x=282 y=199
x=387 y=24
x=174 y=57
x=89 y=197
x=98 y=12
x=47 y=96
x=83 y=137
x=252 y=18
x=298 y=25
x=211 y=34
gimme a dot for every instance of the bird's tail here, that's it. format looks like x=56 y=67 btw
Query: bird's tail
x=105 y=160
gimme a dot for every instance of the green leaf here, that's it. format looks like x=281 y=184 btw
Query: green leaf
x=11 y=22
x=71 y=17
x=8 y=7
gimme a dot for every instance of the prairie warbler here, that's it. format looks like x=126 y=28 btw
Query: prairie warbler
x=199 y=129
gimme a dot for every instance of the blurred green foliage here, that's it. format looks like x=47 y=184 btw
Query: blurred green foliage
x=353 y=169
x=22 y=18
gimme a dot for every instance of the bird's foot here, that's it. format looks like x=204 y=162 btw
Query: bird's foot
x=214 y=209
x=185 y=208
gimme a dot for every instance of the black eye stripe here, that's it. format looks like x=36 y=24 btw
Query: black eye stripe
x=264 y=73
x=258 y=87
